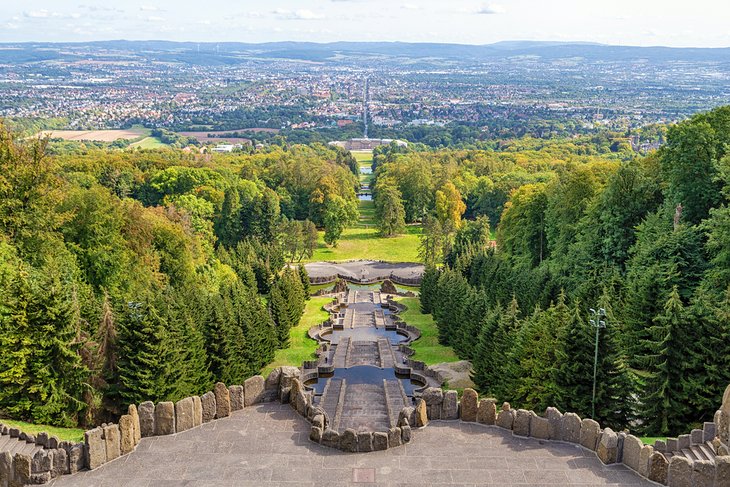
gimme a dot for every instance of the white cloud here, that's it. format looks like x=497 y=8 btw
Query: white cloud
x=301 y=14
x=37 y=14
x=148 y=8
x=491 y=9
x=411 y=6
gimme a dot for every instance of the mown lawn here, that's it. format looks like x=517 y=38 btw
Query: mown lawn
x=365 y=243
x=649 y=440
x=64 y=434
x=428 y=349
x=362 y=240
x=301 y=347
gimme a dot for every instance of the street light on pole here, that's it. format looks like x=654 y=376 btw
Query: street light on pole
x=597 y=321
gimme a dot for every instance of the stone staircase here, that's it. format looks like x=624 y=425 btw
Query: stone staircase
x=15 y=445
x=339 y=358
x=364 y=408
x=694 y=453
x=363 y=353
x=395 y=399
x=331 y=398
x=379 y=318
x=387 y=361
x=696 y=446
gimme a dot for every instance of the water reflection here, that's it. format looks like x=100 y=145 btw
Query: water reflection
x=365 y=374
x=365 y=334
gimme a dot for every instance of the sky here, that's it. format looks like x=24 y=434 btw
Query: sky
x=680 y=23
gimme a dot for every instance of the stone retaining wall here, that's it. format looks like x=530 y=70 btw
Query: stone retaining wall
x=609 y=446
x=108 y=442
x=403 y=281
x=348 y=440
x=55 y=458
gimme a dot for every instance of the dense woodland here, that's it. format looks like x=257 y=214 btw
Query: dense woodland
x=149 y=275
x=136 y=275
x=645 y=238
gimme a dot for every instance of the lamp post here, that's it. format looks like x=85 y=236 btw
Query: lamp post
x=597 y=321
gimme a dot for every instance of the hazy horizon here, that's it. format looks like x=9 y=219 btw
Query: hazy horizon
x=355 y=41
x=621 y=23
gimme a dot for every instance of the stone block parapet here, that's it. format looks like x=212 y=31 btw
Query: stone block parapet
x=111 y=441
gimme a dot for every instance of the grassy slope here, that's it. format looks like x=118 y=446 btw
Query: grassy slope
x=149 y=143
x=649 y=440
x=67 y=434
x=363 y=242
x=427 y=347
x=301 y=347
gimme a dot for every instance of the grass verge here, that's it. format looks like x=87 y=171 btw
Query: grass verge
x=649 y=440
x=428 y=349
x=64 y=434
x=301 y=347
x=366 y=243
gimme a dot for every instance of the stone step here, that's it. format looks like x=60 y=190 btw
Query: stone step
x=394 y=398
x=331 y=398
x=387 y=360
x=14 y=445
x=707 y=452
x=364 y=408
x=695 y=453
x=339 y=358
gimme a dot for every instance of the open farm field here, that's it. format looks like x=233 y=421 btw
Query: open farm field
x=211 y=138
x=96 y=135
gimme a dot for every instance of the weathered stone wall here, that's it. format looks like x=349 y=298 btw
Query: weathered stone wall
x=53 y=458
x=609 y=446
x=108 y=442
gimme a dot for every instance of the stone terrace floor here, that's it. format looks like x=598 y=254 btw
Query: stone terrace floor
x=268 y=445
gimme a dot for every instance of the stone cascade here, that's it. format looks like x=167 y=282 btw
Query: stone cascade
x=377 y=271
x=36 y=459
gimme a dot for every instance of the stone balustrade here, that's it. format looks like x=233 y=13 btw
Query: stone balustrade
x=51 y=457
x=109 y=442
x=609 y=446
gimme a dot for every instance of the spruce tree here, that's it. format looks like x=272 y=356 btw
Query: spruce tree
x=258 y=327
x=304 y=278
x=707 y=363
x=143 y=366
x=429 y=288
x=42 y=377
x=573 y=371
x=502 y=361
x=483 y=375
x=663 y=406
x=536 y=355
x=286 y=302
x=187 y=343
x=225 y=340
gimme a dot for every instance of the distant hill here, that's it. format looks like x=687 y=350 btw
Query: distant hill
x=342 y=52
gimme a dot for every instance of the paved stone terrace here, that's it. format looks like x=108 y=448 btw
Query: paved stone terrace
x=365 y=270
x=268 y=445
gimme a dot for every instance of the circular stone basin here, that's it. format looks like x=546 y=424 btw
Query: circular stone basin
x=365 y=374
x=364 y=334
